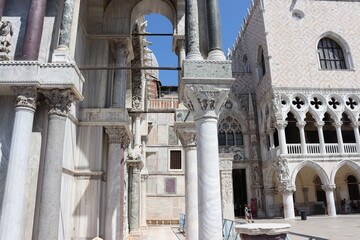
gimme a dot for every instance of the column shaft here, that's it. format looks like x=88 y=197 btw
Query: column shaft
x=282 y=139
x=269 y=202
x=137 y=141
x=330 y=203
x=144 y=178
x=2 y=6
x=51 y=186
x=191 y=192
x=119 y=85
x=214 y=30
x=134 y=199
x=301 y=125
x=288 y=202
x=321 y=137
x=15 y=195
x=339 y=137
x=34 y=28
x=112 y=219
x=357 y=137
x=210 y=217
x=192 y=30
x=65 y=29
x=272 y=142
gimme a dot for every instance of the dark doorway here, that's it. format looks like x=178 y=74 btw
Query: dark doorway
x=239 y=186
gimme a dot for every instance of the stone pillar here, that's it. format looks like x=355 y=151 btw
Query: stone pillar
x=13 y=216
x=192 y=30
x=287 y=192
x=355 y=126
x=117 y=137
x=144 y=179
x=269 y=201
x=280 y=126
x=271 y=132
x=180 y=51
x=137 y=132
x=306 y=195
x=214 y=30
x=337 y=126
x=205 y=102
x=301 y=126
x=319 y=126
x=329 y=191
x=59 y=101
x=34 y=29
x=187 y=135
x=134 y=197
x=227 y=196
x=120 y=78
x=2 y=6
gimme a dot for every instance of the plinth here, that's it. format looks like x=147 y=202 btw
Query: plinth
x=260 y=231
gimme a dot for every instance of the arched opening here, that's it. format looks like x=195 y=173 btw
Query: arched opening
x=292 y=131
x=311 y=132
x=329 y=129
x=261 y=69
x=347 y=131
x=331 y=55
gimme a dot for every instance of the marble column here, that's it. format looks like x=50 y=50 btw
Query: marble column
x=59 y=102
x=117 y=137
x=13 y=216
x=301 y=126
x=214 y=30
x=269 y=201
x=287 y=192
x=34 y=29
x=280 y=126
x=120 y=78
x=137 y=138
x=187 y=135
x=144 y=179
x=319 y=126
x=65 y=28
x=2 y=6
x=329 y=191
x=134 y=172
x=227 y=195
x=192 y=31
x=355 y=126
x=205 y=102
x=337 y=126
x=180 y=51
x=271 y=132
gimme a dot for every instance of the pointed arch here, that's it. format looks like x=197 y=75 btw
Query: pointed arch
x=349 y=163
x=316 y=167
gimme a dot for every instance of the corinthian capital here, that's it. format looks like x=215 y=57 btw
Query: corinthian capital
x=186 y=132
x=58 y=100
x=118 y=134
x=286 y=188
x=205 y=100
x=26 y=96
x=328 y=187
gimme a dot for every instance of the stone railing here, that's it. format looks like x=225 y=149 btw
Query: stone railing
x=163 y=103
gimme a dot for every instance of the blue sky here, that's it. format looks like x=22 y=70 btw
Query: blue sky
x=232 y=14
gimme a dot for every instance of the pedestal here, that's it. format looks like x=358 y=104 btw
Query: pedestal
x=260 y=231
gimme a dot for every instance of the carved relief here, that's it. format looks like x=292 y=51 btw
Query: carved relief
x=282 y=170
x=26 y=96
x=186 y=134
x=227 y=187
x=6 y=33
x=118 y=135
x=256 y=173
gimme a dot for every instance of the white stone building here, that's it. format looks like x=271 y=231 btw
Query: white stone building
x=90 y=147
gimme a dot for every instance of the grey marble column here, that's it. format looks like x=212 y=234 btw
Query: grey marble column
x=144 y=179
x=117 y=137
x=59 y=101
x=120 y=78
x=192 y=30
x=13 y=216
x=134 y=198
x=65 y=29
x=214 y=30
x=187 y=135
x=180 y=51
x=2 y=6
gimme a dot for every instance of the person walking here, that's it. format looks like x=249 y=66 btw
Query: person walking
x=248 y=215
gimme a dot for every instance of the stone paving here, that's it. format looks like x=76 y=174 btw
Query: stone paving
x=341 y=227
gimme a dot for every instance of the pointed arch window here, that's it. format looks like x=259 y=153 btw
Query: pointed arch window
x=331 y=55
x=229 y=133
x=261 y=63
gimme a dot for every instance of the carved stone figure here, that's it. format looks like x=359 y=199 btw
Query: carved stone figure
x=282 y=170
x=6 y=33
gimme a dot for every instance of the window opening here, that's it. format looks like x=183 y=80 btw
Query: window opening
x=331 y=55
x=175 y=160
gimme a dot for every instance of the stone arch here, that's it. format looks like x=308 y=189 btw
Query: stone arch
x=268 y=176
x=343 y=44
x=317 y=168
x=349 y=163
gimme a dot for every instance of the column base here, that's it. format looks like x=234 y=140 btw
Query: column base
x=194 y=56
x=135 y=235
x=217 y=55
x=61 y=55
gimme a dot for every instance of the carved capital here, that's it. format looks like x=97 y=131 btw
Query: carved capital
x=355 y=124
x=300 y=124
x=26 y=96
x=118 y=135
x=180 y=45
x=226 y=165
x=144 y=177
x=286 y=188
x=269 y=191
x=328 y=188
x=58 y=100
x=186 y=132
x=319 y=124
x=337 y=124
x=135 y=154
x=281 y=124
x=271 y=131
x=205 y=100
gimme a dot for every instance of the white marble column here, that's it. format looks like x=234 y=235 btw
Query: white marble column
x=337 y=126
x=180 y=51
x=120 y=77
x=271 y=132
x=329 y=191
x=134 y=197
x=355 y=126
x=59 y=101
x=187 y=135
x=117 y=137
x=192 y=30
x=227 y=196
x=280 y=126
x=319 y=126
x=13 y=216
x=144 y=179
x=269 y=201
x=287 y=192
x=301 y=126
x=137 y=131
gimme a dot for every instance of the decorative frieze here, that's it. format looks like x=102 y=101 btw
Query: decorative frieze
x=6 y=32
x=26 y=96
x=58 y=100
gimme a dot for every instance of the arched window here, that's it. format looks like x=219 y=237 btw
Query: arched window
x=353 y=187
x=331 y=55
x=230 y=133
x=246 y=67
x=261 y=63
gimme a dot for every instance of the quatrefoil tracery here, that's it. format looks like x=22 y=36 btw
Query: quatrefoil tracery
x=316 y=103
x=351 y=103
x=334 y=103
x=298 y=102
